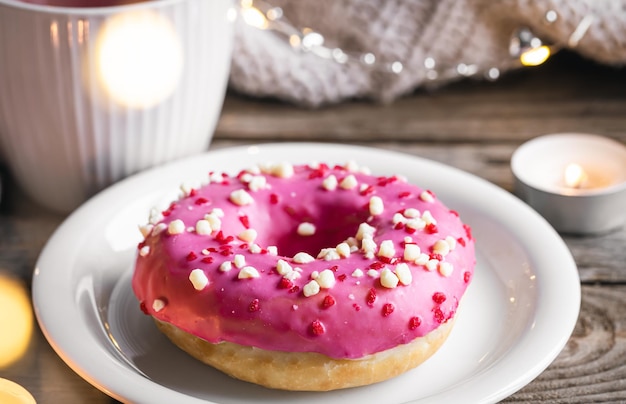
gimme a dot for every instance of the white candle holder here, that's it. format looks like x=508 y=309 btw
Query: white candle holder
x=576 y=181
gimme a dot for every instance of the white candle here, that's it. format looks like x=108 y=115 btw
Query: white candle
x=576 y=181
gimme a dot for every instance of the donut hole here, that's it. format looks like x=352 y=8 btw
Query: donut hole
x=334 y=223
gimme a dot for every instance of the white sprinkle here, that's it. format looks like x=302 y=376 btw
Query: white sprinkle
x=368 y=245
x=441 y=247
x=445 y=269
x=158 y=229
x=214 y=221
x=226 y=266
x=283 y=267
x=411 y=252
x=330 y=183
x=248 y=273
x=326 y=279
x=451 y=242
x=176 y=227
x=203 y=227
x=387 y=249
x=186 y=188
x=241 y=198
x=364 y=231
x=198 y=279
x=246 y=178
x=398 y=218
x=282 y=170
x=218 y=212
x=257 y=183
x=351 y=166
x=432 y=264
x=428 y=217
x=314 y=274
x=422 y=259
x=408 y=239
x=293 y=275
x=328 y=254
x=372 y=273
x=311 y=289
x=272 y=250
x=351 y=296
x=248 y=235
x=255 y=248
x=303 y=258
x=348 y=182
x=416 y=224
x=158 y=305
x=144 y=251
x=294 y=307
x=404 y=273
x=239 y=261
x=343 y=249
x=146 y=229
x=216 y=176
x=205 y=252
x=306 y=229
x=376 y=205
x=155 y=216
x=411 y=213
x=357 y=273
x=427 y=196
x=388 y=279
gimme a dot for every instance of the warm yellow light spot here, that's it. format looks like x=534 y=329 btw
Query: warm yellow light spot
x=254 y=17
x=13 y=393
x=16 y=321
x=535 y=56
x=574 y=176
x=139 y=58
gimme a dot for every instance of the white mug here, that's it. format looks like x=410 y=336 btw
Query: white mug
x=89 y=95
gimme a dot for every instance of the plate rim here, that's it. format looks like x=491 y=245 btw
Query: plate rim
x=557 y=344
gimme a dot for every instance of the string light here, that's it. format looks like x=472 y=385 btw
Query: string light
x=525 y=49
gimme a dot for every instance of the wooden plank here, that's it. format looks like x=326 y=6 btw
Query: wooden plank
x=591 y=366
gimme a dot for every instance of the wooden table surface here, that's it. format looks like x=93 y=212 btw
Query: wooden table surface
x=472 y=125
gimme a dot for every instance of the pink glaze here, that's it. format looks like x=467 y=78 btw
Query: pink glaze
x=355 y=317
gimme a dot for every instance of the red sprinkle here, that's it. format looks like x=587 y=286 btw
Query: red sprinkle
x=201 y=201
x=334 y=268
x=285 y=283
x=435 y=256
x=367 y=190
x=143 y=308
x=193 y=192
x=342 y=277
x=467 y=276
x=404 y=194
x=454 y=212
x=388 y=308
x=191 y=256
x=295 y=289
x=439 y=297
x=328 y=302
x=274 y=199
x=356 y=307
x=409 y=230
x=244 y=246
x=461 y=241
x=414 y=322
x=245 y=221
x=254 y=306
x=439 y=316
x=377 y=265
x=398 y=226
x=371 y=297
x=468 y=231
x=431 y=228
x=207 y=260
x=317 y=328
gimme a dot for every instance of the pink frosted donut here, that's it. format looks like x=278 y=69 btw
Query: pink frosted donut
x=305 y=277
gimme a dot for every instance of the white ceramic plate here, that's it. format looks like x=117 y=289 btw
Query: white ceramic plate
x=516 y=317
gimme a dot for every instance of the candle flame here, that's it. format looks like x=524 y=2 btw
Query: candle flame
x=535 y=56
x=139 y=58
x=575 y=176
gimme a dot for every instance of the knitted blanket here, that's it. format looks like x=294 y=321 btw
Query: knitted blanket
x=435 y=42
